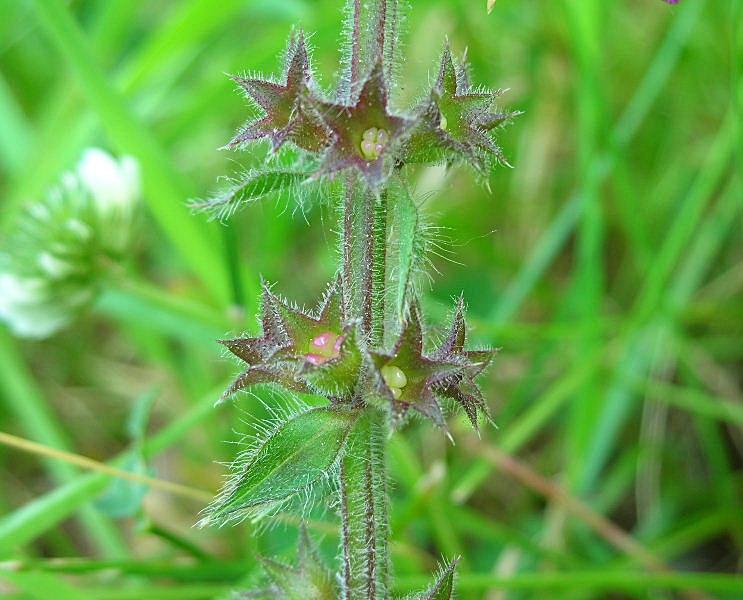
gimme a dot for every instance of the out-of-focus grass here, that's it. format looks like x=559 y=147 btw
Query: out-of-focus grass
x=607 y=265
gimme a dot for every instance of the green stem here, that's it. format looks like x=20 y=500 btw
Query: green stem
x=364 y=514
x=363 y=473
x=356 y=251
x=347 y=247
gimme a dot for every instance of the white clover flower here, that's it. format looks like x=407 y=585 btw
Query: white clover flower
x=26 y=307
x=113 y=185
x=55 y=267
x=56 y=253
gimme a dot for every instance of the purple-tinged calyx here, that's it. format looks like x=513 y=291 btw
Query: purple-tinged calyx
x=464 y=390
x=289 y=109
x=410 y=379
x=367 y=136
x=454 y=122
x=309 y=577
x=306 y=351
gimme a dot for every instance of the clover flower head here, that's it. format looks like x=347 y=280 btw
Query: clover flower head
x=60 y=247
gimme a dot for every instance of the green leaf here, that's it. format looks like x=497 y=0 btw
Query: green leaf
x=123 y=498
x=45 y=512
x=254 y=186
x=139 y=417
x=41 y=586
x=164 y=191
x=444 y=586
x=406 y=219
x=17 y=131
x=300 y=453
x=21 y=397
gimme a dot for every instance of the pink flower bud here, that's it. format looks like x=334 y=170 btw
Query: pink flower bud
x=315 y=359
x=324 y=347
x=322 y=341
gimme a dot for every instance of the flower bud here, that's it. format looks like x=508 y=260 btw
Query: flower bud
x=394 y=376
x=373 y=142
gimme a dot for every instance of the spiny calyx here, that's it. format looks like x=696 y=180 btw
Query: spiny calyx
x=303 y=351
x=289 y=111
x=456 y=119
x=309 y=579
x=409 y=378
x=365 y=133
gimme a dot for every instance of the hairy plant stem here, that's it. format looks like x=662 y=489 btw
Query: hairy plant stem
x=363 y=473
x=365 y=523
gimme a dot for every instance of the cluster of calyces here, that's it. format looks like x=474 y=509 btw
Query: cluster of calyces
x=358 y=129
x=308 y=578
x=317 y=352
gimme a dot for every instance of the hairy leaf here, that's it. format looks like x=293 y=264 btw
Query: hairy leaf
x=407 y=222
x=443 y=589
x=254 y=186
x=297 y=455
x=123 y=498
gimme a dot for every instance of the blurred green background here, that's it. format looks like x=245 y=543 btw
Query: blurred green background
x=606 y=265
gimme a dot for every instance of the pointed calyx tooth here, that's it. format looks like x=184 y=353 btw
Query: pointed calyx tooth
x=365 y=132
x=412 y=379
x=288 y=109
x=409 y=378
x=358 y=130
